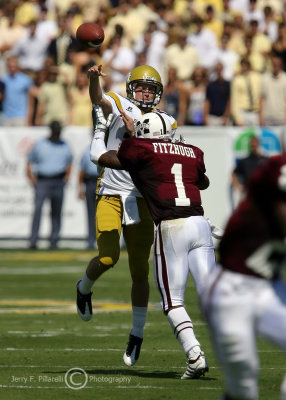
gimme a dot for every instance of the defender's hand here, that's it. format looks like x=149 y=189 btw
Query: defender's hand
x=129 y=123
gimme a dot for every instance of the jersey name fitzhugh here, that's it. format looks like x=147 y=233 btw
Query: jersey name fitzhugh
x=172 y=148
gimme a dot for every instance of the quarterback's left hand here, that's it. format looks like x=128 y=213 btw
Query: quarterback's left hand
x=102 y=124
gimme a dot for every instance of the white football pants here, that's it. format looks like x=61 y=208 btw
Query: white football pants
x=181 y=246
x=238 y=308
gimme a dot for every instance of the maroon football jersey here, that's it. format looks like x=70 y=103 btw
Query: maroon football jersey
x=253 y=241
x=166 y=174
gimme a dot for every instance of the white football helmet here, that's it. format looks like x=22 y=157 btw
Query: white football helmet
x=153 y=126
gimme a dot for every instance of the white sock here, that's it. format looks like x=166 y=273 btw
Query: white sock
x=182 y=327
x=85 y=284
x=139 y=319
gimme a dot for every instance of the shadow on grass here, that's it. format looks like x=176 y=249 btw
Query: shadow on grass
x=137 y=373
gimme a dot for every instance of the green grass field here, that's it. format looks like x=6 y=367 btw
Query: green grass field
x=42 y=337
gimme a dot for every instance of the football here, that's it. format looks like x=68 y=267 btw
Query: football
x=90 y=34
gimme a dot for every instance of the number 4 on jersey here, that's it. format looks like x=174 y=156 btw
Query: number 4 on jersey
x=182 y=199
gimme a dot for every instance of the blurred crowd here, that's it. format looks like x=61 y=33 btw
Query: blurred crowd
x=222 y=62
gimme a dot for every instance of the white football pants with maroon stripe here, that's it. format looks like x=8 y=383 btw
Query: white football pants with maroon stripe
x=181 y=246
x=239 y=308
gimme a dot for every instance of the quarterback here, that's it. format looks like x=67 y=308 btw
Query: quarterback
x=120 y=206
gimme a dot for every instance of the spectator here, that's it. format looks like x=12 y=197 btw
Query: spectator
x=10 y=33
x=194 y=98
x=74 y=16
x=261 y=43
x=257 y=61
x=235 y=30
x=17 y=88
x=34 y=93
x=212 y=23
x=25 y=12
x=31 y=50
x=91 y=9
x=79 y=102
x=246 y=166
x=173 y=96
x=217 y=101
x=46 y=27
x=279 y=46
x=240 y=6
x=182 y=56
x=118 y=60
x=245 y=296
x=272 y=106
x=139 y=16
x=53 y=104
x=205 y=42
x=254 y=13
x=141 y=59
x=227 y=57
x=226 y=13
x=87 y=182
x=244 y=99
x=48 y=169
x=153 y=43
x=270 y=25
x=60 y=46
x=122 y=18
x=166 y=16
x=188 y=10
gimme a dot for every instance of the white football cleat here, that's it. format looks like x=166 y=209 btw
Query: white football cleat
x=196 y=367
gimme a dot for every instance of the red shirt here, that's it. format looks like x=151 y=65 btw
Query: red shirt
x=253 y=241
x=166 y=174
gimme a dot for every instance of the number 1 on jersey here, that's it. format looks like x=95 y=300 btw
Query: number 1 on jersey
x=182 y=199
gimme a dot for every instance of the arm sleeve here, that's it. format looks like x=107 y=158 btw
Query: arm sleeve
x=97 y=147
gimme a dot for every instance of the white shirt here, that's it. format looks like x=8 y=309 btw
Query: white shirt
x=155 y=53
x=31 y=52
x=126 y=58
x=229 y=60
x=206 y=44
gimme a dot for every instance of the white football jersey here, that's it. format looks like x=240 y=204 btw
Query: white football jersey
x=119 y=182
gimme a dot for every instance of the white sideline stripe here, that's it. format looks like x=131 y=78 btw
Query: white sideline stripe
x=40 y=270
x=86 y=387
x=101 y=350
x=57 y=350
x=48 y=334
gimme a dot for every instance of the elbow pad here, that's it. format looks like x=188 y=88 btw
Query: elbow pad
x=98 y=146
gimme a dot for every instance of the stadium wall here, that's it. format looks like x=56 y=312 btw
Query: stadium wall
x=222 y=147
